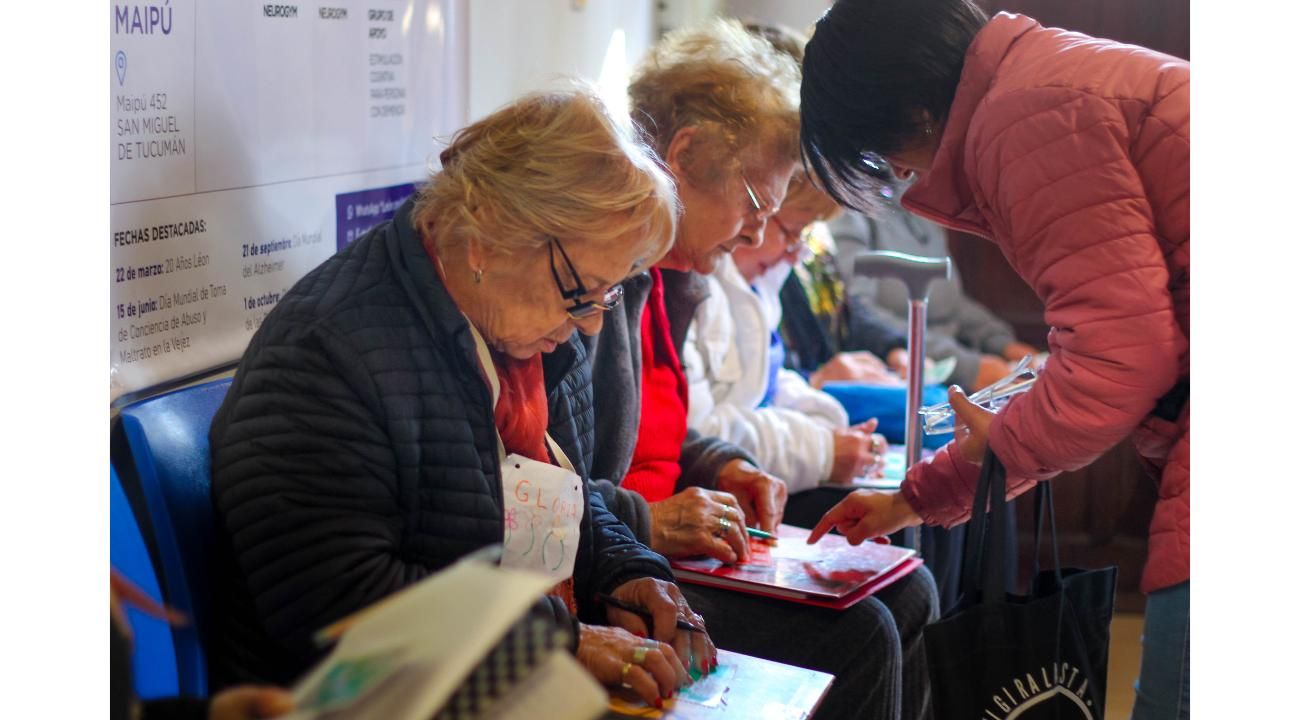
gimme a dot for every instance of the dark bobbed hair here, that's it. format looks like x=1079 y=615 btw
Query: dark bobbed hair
x=870 y=73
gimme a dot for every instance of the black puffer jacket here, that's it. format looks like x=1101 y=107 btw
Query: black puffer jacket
x=356 y=453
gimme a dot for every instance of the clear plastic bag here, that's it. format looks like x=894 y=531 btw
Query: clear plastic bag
x=939 y=419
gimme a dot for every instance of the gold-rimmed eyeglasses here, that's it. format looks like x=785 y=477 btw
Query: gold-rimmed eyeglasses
x=763 y=209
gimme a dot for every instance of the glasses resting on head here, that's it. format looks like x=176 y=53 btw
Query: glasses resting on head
x=574 y=292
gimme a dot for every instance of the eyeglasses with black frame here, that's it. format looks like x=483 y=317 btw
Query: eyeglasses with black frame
x=581 y=309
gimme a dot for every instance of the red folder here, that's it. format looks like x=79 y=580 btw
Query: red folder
x=832 y=573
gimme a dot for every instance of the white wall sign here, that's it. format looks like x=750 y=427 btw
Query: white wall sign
x=248 y=142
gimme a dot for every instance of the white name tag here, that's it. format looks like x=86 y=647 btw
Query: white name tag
x=543 y=517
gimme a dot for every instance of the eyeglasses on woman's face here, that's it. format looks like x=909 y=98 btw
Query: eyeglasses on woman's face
x=572 y=289
x=763 y=210
x=791 y=239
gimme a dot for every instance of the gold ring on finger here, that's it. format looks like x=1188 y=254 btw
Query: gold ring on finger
x=622 y=675
x=724 y=525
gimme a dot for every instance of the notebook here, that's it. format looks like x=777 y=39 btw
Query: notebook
x=831 y=573
x=417 y=653
x=742 y=687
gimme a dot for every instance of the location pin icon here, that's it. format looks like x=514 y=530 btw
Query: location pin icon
x=120 y=63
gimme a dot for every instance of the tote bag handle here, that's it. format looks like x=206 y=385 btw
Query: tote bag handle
x=984 y=566
x=1044 y=507
x=984 y=562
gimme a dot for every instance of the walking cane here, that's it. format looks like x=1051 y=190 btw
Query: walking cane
x=915 y=273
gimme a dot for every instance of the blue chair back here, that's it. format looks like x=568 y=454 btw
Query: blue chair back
x=153 y=656
x=168 y=436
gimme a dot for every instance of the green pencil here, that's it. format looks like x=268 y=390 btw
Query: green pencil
x=755 y=532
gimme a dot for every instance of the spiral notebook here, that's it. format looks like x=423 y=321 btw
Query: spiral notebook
x=831 y=573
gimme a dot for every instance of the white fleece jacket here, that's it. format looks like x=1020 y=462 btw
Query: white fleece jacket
x=726 y=364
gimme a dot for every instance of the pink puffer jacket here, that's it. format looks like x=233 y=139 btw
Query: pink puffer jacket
x=1072 y=155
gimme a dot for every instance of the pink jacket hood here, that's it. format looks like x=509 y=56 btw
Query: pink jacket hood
x=1072 y=155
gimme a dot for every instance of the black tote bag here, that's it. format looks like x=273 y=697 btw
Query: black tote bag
x=1000 y=656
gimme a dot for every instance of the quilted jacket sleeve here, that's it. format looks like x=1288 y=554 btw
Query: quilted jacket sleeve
x=617 y=555
x=1070 y=210
x=305 y=482
x=627 y=505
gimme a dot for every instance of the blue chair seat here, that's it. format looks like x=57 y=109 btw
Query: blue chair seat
x=168 y=438
x=153 y=655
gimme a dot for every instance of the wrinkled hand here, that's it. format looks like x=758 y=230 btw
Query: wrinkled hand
x=761 y=496
x=604 y=651
x=690 y=523
x=865 y=514
x=971 y=426
x=855 y=366
x=857 y=450
x=664 y=601
x=250 y=702
x=991 y=369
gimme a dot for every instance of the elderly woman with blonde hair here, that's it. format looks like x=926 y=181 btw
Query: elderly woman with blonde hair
x=411 y=399
x=721 y=107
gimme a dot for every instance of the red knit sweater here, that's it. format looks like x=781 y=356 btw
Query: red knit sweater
x=655 y=467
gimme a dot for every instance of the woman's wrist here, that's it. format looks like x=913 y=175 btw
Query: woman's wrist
x=904 y=513
x=914 y=500
x=656 y=525
x=826 y=473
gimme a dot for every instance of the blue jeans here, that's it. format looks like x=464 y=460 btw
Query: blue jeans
x=1163 y=688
